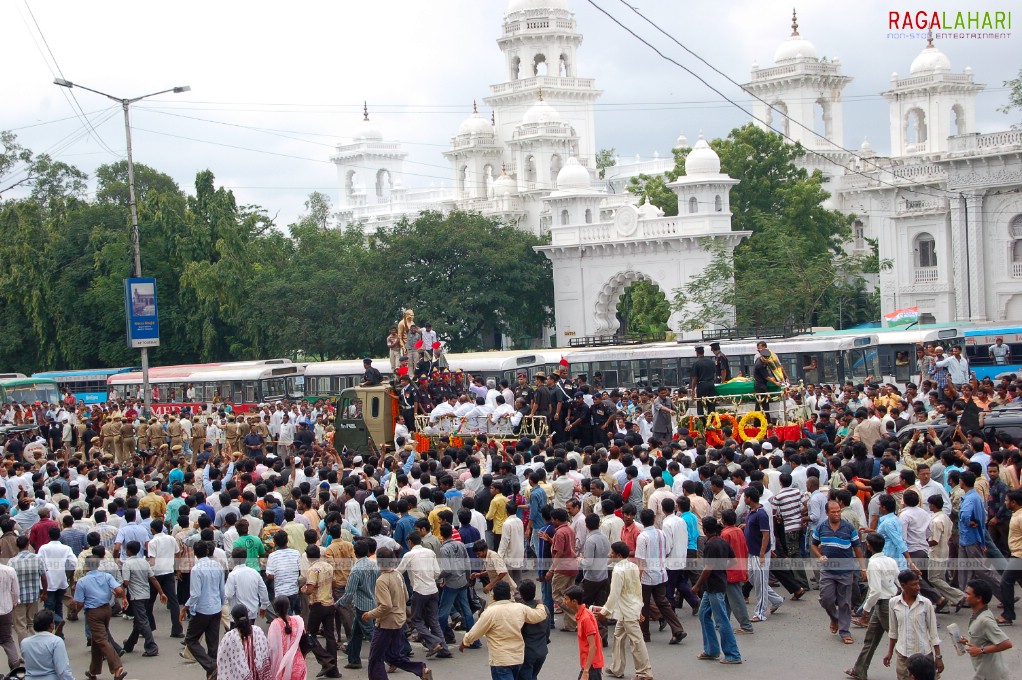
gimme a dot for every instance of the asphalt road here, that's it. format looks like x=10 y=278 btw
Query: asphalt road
x=794 y=643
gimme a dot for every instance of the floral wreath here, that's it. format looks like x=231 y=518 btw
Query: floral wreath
x=728 y=419
x=713 y=434
x=762 y=425
x=693 y=424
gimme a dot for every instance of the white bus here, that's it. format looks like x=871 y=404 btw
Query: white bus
x=243 y=385
x=811 y=359
x=896 y=348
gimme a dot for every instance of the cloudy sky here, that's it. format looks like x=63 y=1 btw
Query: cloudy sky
x=275 y=85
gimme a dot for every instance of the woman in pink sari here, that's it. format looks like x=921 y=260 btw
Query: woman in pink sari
x=286 y=659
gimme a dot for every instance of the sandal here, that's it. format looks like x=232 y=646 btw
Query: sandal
x=121 y=674
x=706 y=657
x=852 y=674
x=90 y=676
x=757 y=619
x=847 y=639
x=833 y=626
x=1001 y=621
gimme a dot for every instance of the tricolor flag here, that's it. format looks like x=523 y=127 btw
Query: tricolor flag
x=902 y=317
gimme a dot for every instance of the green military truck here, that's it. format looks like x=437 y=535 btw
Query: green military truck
x=365 y=419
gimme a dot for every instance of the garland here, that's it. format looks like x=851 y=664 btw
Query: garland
x=714 y=438
x=728 y=419
x=693 y=424
x=762 y=425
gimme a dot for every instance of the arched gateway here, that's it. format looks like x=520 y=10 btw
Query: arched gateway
x=595 y=261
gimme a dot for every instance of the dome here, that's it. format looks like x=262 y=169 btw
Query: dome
x=795 y=47
x=702 y=160
x=866 y=146
x=475 y=124
x=573 y=176
x=682 y=142
x=541 y=112
x=504 y=186
x=930 y=60
x=368 y=132
x=522 y=5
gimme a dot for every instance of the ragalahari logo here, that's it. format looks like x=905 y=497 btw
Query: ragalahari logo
x=923 y=20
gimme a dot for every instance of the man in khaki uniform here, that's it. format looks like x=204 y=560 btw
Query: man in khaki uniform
x=176 y=432
x=106 y=433
x=231 y=434
x=244 y=425
x=142 y=432
x=127 y=440
x=198 y=436
x=115 y=438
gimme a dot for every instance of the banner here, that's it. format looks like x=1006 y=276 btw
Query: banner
x=140 y=313
x=902 y=317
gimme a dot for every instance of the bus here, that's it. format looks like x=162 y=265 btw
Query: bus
x=327 y=379
x=896 y=347
x=243 y=385
x=978 y=340
x=87 y=386
x=28 y=390
x=806 y=358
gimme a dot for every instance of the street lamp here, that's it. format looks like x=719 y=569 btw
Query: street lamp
x=133 y=208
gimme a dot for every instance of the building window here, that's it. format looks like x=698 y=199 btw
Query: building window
x=1015 y=231
x=589 y=216
x=926 y=251
x=718 y=204
x=693 y=205
x=564 y=217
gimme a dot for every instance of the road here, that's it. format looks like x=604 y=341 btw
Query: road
x=795 y=642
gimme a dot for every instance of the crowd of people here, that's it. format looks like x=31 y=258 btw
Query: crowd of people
x=612 y=527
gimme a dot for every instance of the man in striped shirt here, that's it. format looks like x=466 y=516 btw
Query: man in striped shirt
x=835 y=542
x=360 y=595
x=788 y=504
x=31 y=586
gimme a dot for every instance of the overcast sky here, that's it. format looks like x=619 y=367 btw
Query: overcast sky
x=299 y=72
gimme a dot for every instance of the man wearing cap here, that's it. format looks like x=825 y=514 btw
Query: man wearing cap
x=407 y=399
x=578 y=426
x=541 y=397
x=559 y=401
x=721 y=364
x=371 y=377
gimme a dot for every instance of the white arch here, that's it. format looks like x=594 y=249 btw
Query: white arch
x=610 y=296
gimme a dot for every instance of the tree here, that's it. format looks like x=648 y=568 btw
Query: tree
x=605 y=159
x=644 y=309
x=796 y=245
x=1014 y=97
x=471 y=276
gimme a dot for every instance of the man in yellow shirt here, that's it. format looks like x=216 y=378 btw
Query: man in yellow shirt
x=501 y=624
x=1013 y=571
x=497 y=513
x=154 y=501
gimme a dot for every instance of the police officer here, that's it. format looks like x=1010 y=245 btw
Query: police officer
x=701 y=382
x=578 y=425
x=371 y=377
x=407 y=398
x=127 y=439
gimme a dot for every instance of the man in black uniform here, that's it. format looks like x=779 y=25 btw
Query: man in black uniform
x=577 y=426
x=407 y=399
x=762 y=378
x=523 y=390
x=559 y=401
x=603 y=411
x=721 y=364
x=371 y=377
x=701 y=384
x=541 y=398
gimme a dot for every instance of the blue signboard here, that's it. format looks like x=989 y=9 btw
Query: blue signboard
x=140 y=311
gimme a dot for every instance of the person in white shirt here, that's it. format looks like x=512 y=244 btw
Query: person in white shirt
x=477 y=420
x=999 y=352
x=504 y=410
x=286 y=436
x=421 y=567
x=161 y=551
x=512 y=543
x=57 y=560
x=491 y=393
x=246 y=586
x=624 y=604
x=882 y=577
x=927 y=487
x=352 y=510
x=400 y=430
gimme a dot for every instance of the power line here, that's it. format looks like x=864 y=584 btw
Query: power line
x=754 y=117
x=76 y=106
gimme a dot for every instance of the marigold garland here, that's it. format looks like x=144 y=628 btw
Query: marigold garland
x=762 y=425
x=693 y=425
x=714 y=438
x=712 y=420
x=728 y=419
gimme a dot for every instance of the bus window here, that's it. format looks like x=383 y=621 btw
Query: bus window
x=294 y=386
x=667 y=369
x=829 y=370
x=902 y=365
x=250 y=392
x=810 y=369
x=375 y=411
x=790 y=364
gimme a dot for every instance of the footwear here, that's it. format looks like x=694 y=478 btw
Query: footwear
x=959 y=605
x=615 y=675
x=123 y=673
x=852 y=674
x=833 y=626
x=847 y=639
x=695 y=609
x=427 y=674
x=444 y=655
x=59 y=630
x=90 y=676
x=663 y=624
x=353 y=666
x=149 y=654
x=475 y=645
x=391 y=668
x=88 y=643
x=707 y=657
x=126 y=649
x=757 y=619
x=742 y=631
x=178 y=635
x=798 y=594
x=436 y=649
x=1001 y=621
x=330 y=672
x=676 y=639
x=858 y=623
x=731 y=662
x=187 y=659
x=773 y=610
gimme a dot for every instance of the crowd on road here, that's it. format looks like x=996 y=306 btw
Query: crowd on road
x=613 y=533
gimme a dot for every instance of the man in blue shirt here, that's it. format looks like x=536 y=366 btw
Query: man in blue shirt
x=404 y=526
x=889 y=526
x=93 y=592
x=537 y=501
x=131 y=531
x=757 y=538
x=835 y=543
x=972 y=520
x=204 y=605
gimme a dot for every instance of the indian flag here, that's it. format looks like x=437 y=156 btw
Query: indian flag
x=902 y=317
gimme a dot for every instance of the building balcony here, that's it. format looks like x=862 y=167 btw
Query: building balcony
x=926 y=275
x=1015 y=270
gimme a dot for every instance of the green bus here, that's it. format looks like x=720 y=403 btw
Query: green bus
x=28 y=390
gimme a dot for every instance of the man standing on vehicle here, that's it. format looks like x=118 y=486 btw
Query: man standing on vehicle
x=999 y=352
x=371 y=377
x=663 y=409
x=721 y=364
x=701 y=384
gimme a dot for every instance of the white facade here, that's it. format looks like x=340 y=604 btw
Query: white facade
x=945 y=206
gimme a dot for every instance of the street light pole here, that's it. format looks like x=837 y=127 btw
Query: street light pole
x=132 y=208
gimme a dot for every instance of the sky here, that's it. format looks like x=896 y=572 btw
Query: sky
x=276 y=85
